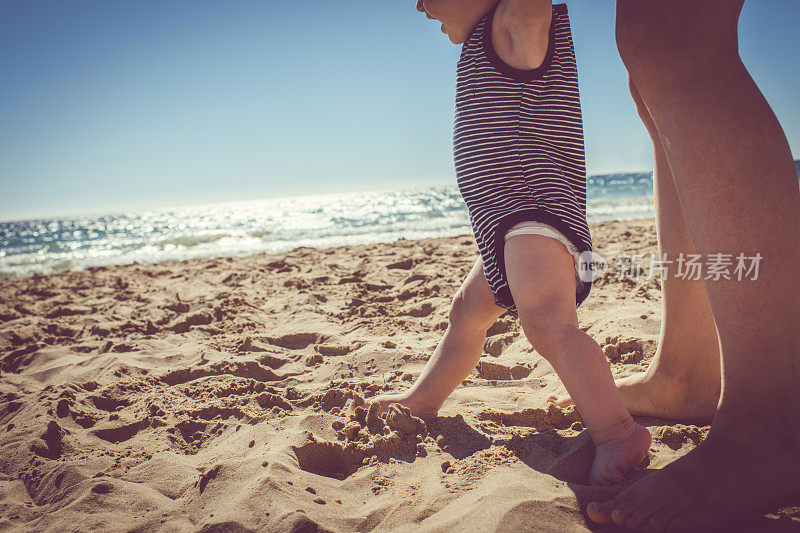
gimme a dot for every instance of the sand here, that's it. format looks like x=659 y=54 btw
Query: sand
x=228 y=395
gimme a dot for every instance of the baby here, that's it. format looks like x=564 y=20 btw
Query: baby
x=519 y=157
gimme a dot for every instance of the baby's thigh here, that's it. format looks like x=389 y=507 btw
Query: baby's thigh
x=541 y=277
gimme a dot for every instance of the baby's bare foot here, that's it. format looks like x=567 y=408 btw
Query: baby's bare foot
x=616 y=458
x=418 y=407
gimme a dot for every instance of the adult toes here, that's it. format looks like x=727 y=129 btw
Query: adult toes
x=621 y=513
x=639 y=517
x=601 y=512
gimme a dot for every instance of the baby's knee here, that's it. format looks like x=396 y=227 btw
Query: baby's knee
x=471 y=311
x=547 y=336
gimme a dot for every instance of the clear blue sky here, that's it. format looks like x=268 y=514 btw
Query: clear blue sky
x=110 y=105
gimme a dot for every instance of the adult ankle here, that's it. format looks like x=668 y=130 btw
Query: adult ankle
x=681 y=379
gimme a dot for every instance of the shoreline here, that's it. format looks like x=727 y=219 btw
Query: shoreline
x=214 y=394
x=6 y=275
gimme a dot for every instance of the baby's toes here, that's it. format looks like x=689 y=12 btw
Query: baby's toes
x=383 y=401
x=561 y=401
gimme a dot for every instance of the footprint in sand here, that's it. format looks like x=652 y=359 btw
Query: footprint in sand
x=496 y=371
x=297 y=340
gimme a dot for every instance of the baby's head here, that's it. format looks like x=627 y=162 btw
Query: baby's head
x=458 y=17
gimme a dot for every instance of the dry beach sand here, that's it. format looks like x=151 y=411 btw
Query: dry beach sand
x=216 y=395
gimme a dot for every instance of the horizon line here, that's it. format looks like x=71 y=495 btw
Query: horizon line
x=141 y=208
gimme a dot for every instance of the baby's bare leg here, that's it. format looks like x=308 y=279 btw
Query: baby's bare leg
x=546 y=305
x=472 y=312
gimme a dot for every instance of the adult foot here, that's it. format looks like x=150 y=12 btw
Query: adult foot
x=419 y=407
x=675 y=398
x=616 y=458
x=721 y=484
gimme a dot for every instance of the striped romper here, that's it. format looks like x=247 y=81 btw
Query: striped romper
x=518 y=147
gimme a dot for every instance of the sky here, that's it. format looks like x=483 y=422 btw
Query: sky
x=116 y=105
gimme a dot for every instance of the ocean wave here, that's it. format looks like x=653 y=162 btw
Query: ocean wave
x=270 y=225
x=188 y=241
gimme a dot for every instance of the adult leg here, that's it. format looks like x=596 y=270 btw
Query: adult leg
x=472 y=313
x=683 y=380
x=546 y=305
x=737 y=185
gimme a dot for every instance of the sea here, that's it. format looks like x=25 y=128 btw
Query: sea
x=271 y=225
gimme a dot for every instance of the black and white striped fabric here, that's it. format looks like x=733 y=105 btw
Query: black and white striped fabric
x=518 y=147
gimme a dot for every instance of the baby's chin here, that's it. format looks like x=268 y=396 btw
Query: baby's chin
x=454 y=37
